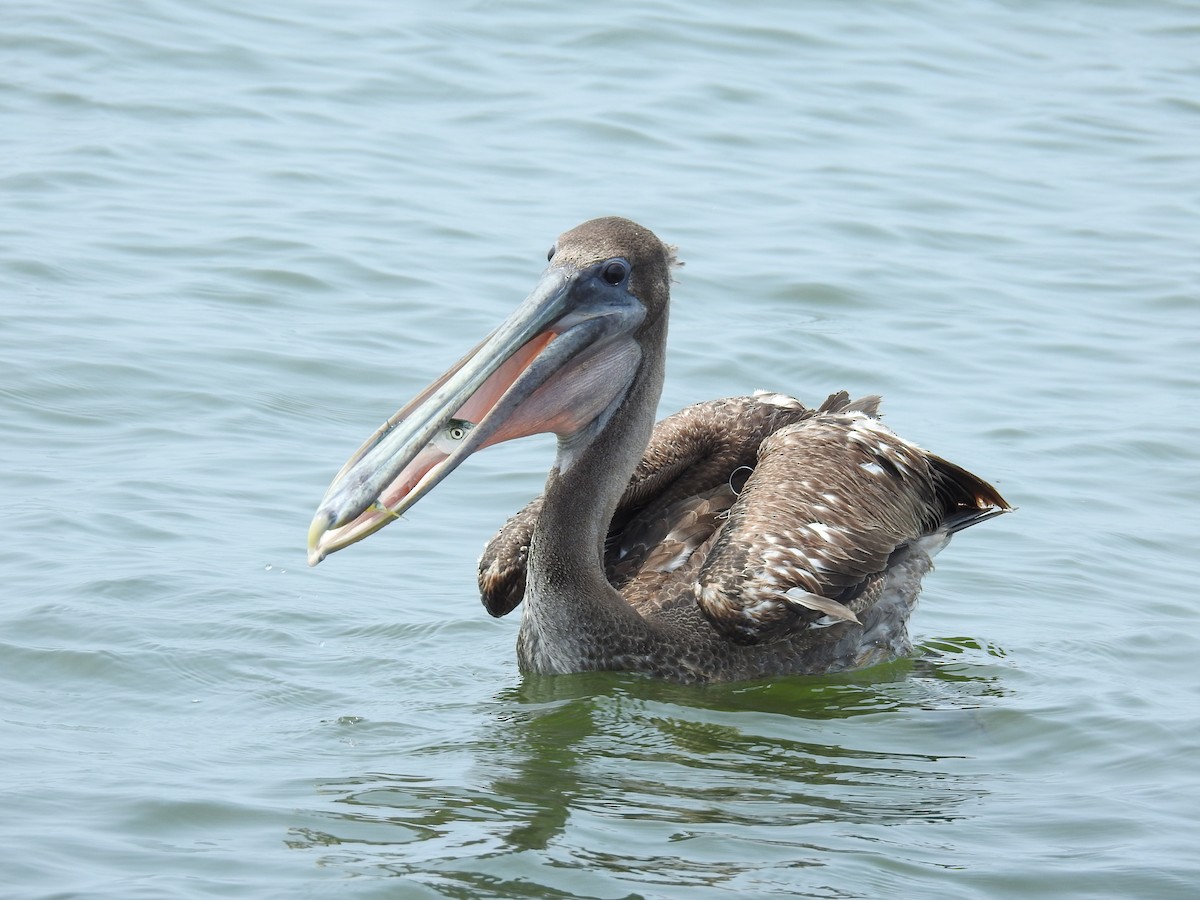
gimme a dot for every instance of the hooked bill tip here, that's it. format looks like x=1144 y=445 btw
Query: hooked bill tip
x=320 y=524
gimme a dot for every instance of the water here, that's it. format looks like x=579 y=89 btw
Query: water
x=233 y=239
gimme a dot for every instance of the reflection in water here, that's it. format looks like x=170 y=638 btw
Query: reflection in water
x=601 y=784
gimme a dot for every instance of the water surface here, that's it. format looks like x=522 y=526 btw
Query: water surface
x=233 y=240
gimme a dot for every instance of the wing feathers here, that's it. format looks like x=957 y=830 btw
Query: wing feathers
x=831 y=495
x=799 y=597
x=832 y=498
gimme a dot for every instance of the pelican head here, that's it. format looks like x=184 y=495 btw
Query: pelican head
x=563 y=362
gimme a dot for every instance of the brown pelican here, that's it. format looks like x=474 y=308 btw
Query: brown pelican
x=736 y=539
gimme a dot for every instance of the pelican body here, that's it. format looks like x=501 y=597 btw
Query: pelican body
x=737 y=539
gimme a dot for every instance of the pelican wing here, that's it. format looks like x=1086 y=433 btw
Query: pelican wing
x=505 y=560
x=830 y=502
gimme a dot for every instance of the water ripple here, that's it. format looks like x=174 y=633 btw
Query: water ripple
x=237 y=239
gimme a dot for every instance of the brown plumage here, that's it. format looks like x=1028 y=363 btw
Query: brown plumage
x=738 y=538
x=770 y=516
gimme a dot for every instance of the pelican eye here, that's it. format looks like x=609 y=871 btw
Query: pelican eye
x=614 y=271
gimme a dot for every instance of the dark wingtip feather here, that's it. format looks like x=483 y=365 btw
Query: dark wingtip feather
x=965 y=498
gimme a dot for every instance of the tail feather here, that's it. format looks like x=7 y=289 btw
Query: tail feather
x=840 y=402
